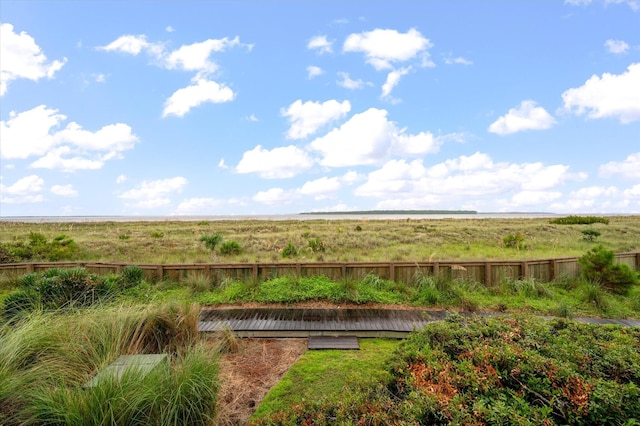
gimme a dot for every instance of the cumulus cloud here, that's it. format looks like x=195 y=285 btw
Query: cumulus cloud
x=275 y=196
x=155 y=193
x=194 y=57
x=199 y=206
x=458 y=60
x=23 y=58
x=612 y=95
x=321 y=188
x=278 y=163
x=306 y=118
x=25 y=190
x=183 y=100
x=348 y=83
x=629 y=168
x=368 y=138
x=393 y=78
x=526 y=116
x=320 y=44
x=64 y=190
x=462 y=181
x=592 y=199
x=616 y=46
x=383 y=47
x=314 y=71
x=32 y=133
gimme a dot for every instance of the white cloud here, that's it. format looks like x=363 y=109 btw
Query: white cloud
x=533 y=198
x=169 y=29
x=275 y=196
x=629 y=168
x=121 y=179
x=253 y=118
x=64 y=190
x=465 y=180
x=320 y=44
x=351 y=177
x=633 y=192
x=393 y=78
x=616 y=46
x=458 y=60
x=368 y=138
x=592 y=199
x=608 y=96
x=182 y=100
x=199 y=206
x=31 y=133
x=526 y=116
x=306 y=118
x=346 y=82
x=283 y=162
x=313 y=71
x=633 y=4
x=222 y=164
x=133 y=45
x=382 y=47
x=155 y=193
x=22 y=58
x=321 y=188
x=24 y=190
x=59 y=159
x=195 y=56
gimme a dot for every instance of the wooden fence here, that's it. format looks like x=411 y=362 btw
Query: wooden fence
x=486 y=272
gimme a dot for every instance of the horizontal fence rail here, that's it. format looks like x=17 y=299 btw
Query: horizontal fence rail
x=487 y=272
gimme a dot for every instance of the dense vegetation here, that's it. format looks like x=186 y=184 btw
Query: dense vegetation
x=488 y=371
x=47 y=357
x=314 y=240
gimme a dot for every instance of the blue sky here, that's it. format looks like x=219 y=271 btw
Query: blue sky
x=279 y=107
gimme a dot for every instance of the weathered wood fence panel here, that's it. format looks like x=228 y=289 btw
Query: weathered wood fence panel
x=487 y=272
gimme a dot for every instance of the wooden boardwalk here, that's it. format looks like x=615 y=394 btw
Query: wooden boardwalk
x=392 y=323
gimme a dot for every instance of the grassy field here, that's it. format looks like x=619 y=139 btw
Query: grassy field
x=331 y=240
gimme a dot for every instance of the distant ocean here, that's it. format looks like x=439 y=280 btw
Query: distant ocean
x=323 y=216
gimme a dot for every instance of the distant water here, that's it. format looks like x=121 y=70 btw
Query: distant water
x=329 y=216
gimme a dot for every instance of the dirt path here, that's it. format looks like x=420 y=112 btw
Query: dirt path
x=248 y=371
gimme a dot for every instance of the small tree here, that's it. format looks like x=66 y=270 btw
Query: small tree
x=590 y=234
x=211 y=241
x=598 y=265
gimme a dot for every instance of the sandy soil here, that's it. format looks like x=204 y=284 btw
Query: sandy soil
x=248 y=370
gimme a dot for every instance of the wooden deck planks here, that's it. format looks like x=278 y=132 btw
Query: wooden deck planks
x=330 y=342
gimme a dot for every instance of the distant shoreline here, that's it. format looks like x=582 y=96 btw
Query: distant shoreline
x=392 y=212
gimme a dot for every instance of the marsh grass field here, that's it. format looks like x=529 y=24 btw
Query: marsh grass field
x=506 y=370
x=348 y=240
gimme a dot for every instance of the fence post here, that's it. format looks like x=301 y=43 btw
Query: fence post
x=553 y=270
x=436 y=269
x=392 y=272
x=487 y=274
x=160 y=272
x=30 y=268
x=343 y=270
x=638 y=261
x=524 y=270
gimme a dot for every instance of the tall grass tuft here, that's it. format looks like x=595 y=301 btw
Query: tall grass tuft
x=46 y=358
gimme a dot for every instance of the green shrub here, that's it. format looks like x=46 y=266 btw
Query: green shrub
x=590 y=234
x=291 y=250
x=598 y=265
x=579 y=220
x=211 y=241
x=229 y=248
x=316 y=245
x=20 y=302
x=37 y=247
x=157 y=234
x=514 y=241
x=131 y=276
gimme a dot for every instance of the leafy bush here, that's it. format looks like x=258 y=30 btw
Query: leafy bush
x=37 y=247
x=579 y=220
x=598 y=265
x=157 y=234
x=131 y=276
x=514 y=241
x=211 y=241
x=291 y=250
x=228 y=248
x=590 y=234
x=316 y=245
